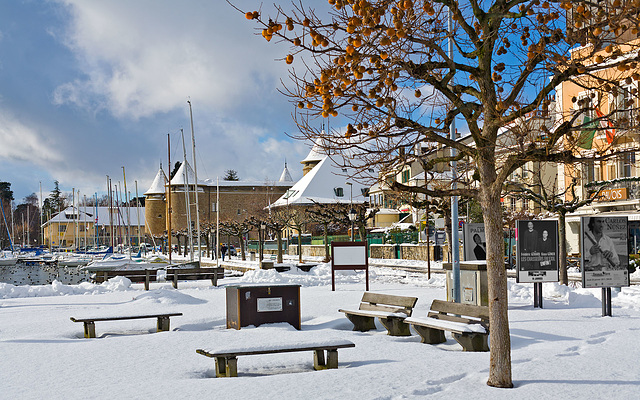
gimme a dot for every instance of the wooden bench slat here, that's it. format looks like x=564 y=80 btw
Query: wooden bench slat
x=274 y=349
x=381 y=298
x=373 y=313
x=448 y=325
x=470 y=310
x=125 y=317
x=386 y=309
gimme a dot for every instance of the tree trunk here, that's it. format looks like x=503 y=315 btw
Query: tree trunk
x=300 y=245
x=279 y=240
x=327 y=258
x=562 y=249
x=242 y=249
x=500 y=340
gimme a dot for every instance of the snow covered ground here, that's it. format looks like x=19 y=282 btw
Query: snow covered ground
x=566 y=350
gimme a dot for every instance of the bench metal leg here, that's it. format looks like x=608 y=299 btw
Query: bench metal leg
x=318 y=360
x=362 y=323
x=472 y=342
x=332 y=359
x=396 y=326
x=146 y=280
x=226 y=367
x=163 y=324
x=430 y=335
x=89 y=329
x=175 y=281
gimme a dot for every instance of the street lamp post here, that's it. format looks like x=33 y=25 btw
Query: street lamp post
x=352 y=212
x=261 y=236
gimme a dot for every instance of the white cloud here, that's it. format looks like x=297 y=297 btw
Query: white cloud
x=144 y=57
x=25 y=143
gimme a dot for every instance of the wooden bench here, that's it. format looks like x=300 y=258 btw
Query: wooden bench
x=194 y=274
x=391 y=310
x=468 y=324
x=136 y=276
x=90 y=327
x=227 y=363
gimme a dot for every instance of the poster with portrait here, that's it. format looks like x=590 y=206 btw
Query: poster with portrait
x=473 y=242
x=537 y=251
x=605 y=251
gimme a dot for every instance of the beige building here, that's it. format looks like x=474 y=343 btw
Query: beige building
x=78 y=227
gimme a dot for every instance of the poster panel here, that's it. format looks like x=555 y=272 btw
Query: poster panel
x=605 y=251
x=473 y=242
x=537 y=251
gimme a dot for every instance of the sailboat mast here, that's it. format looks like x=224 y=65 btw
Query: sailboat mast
x=185 y=172
x=195 y=173
x=138 y=213
x=126 y=199
x=169 y=233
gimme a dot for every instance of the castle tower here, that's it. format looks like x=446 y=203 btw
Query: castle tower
x=155 y=211
x=313 y=158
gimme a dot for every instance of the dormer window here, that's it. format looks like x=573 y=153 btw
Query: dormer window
x=339 y=192
x=290 y=193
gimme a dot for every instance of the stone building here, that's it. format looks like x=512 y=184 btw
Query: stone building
x=235 y=200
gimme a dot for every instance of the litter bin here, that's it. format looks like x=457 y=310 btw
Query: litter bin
x=266 y=264
x=474 y=285
x=262 y=304
x=252 y=256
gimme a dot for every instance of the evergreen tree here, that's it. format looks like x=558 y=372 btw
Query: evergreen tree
x=231 y=175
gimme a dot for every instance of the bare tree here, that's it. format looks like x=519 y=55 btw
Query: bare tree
x=385 y=66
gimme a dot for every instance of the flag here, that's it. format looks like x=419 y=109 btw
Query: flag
x=586 y=136
x=606 y=124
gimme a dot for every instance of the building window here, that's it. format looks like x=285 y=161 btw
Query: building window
x=627 y=162
x=339 y=192
x=406 y=174
x=513 y=202
x=623 y=105
x=62 y=228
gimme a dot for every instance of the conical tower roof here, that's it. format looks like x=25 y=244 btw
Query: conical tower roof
x=286 y=176
x=316 y=153
x=158 y=185
x=178 y=178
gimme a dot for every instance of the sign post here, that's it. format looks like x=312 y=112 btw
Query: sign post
x=349 y=256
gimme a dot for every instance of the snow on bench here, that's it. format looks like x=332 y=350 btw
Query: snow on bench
x=227 y=363
x=391 y=310
x=468 y=324
x=90 y=327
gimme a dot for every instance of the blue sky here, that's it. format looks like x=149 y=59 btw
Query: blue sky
x=87 y=87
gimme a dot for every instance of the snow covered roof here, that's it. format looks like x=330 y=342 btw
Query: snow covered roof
x=322 y=184
x=316 y=153
x=178 y=178
x=158 y=184
x=70 y=215
x=286 y=176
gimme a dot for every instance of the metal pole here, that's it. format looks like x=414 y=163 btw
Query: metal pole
x=455 y=245
x=186 y=194
x=169 y=233
x=195 y=173
x=138 y=215
x=217 y=220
